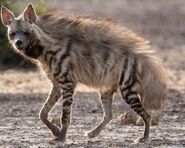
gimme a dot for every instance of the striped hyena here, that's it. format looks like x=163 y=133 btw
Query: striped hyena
x=95 y=52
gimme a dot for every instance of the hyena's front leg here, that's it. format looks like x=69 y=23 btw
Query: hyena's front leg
x=68 y=91
x=106 y=99
x=55 y=94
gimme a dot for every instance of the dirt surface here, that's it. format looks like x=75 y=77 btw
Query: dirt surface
x=23 y=92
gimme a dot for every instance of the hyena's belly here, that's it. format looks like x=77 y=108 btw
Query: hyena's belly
x=96 y=77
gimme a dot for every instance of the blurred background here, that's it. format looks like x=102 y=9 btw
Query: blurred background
x=162 y=22
x=23 y=89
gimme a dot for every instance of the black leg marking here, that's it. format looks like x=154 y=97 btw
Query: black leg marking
x=131 y=96
x=132 y=99
x=123 y=71
x=68 y=87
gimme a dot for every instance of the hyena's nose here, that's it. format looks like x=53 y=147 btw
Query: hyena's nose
x=18 y=43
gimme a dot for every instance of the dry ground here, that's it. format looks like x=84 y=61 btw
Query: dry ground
x=22 y=93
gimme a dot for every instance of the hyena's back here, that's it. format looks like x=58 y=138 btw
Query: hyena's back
x=103 y=52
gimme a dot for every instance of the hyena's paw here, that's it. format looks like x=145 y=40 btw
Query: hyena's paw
x=55 y=133
x=60 y=138
x=92 y=134
x=141 y=140
x=55 y=140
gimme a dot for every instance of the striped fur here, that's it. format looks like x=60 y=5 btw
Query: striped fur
x=95 y=52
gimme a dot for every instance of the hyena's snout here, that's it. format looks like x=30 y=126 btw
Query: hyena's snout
x=18 y=43
x=20 y=40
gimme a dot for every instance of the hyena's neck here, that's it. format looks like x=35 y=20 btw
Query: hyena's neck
x=35 y=49
x=49 y=47
x=40 y=44
x=44 y=38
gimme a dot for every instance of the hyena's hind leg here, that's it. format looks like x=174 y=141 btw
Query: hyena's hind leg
x=131 y=97
x=50 y=102
x=130 y=83
x=106 y=102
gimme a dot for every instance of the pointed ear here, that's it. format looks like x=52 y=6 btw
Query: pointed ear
x=30 y=14
x=6 y=16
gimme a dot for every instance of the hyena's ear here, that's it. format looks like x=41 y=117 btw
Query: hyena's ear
x=30 y=14
x=6 y=16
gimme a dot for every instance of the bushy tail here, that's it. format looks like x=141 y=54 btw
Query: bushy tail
x=153 y=85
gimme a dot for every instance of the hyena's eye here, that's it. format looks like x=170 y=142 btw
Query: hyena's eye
x=12 y=34
x=26 y=33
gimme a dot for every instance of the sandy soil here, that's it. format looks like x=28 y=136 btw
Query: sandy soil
x=22 y=92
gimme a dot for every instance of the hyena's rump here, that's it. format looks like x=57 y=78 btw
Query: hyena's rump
x=97 y=53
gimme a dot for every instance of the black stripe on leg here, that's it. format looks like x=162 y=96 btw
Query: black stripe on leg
x=130 y=86
x=130 y=93
x=132 y=77
x=68 y=89
x=136 y=104
x=66 y=116
x=67 y=103
x=64 y=80
x=130 y=100
x=140 y=111
x=67 y=95
x=123 y=71
x=133 y=72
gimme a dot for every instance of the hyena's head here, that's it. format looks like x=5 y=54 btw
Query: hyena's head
x=20 y=30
